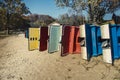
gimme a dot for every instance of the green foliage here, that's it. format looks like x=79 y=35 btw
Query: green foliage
x=3 y=19
x=12 y=13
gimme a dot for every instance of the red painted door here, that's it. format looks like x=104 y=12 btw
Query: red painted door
x=76 y=48
x=67 y=40
x=43 y=38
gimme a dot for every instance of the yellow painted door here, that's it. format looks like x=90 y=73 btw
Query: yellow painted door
x=34 y=36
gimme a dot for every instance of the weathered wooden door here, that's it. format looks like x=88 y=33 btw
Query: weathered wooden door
x=43 y=38
x=33 y=41
x=67 y=40
x=54 y=38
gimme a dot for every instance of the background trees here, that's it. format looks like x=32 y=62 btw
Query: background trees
x=71 y=19
x=96 y=9
x=37 y=20
x=12 y=12
x=14 y=15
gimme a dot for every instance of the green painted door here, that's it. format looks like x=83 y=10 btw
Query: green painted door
x=54 y=38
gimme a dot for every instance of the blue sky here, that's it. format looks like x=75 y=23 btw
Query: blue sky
x=46 y=7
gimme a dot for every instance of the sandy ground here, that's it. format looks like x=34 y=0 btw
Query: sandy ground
x=17 y=63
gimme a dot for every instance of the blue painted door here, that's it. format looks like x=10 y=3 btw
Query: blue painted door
x=118 y=37
x=94 y=40
x=88 y=41
x=114 y=42
x=99 y=42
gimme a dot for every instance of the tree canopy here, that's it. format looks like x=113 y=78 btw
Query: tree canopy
x=12 y=12
x=95 y=8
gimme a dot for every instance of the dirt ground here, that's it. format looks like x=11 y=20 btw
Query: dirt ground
x=17 y=63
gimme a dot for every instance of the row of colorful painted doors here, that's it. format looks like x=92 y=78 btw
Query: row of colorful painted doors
x=38 y=38
x=69 y=39
x=70 y=42
x=85 y=39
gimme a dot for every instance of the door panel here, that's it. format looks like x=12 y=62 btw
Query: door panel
x=54 y=38
x=33 y=38
x=67 y=40
x=93 y=41
x=43 y=38
x=76 y=48
x=99 y=42
x=88 y=41
x=114 y=40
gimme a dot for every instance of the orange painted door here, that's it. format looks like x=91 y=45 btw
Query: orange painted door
x=76 y=48
x=67 y=40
